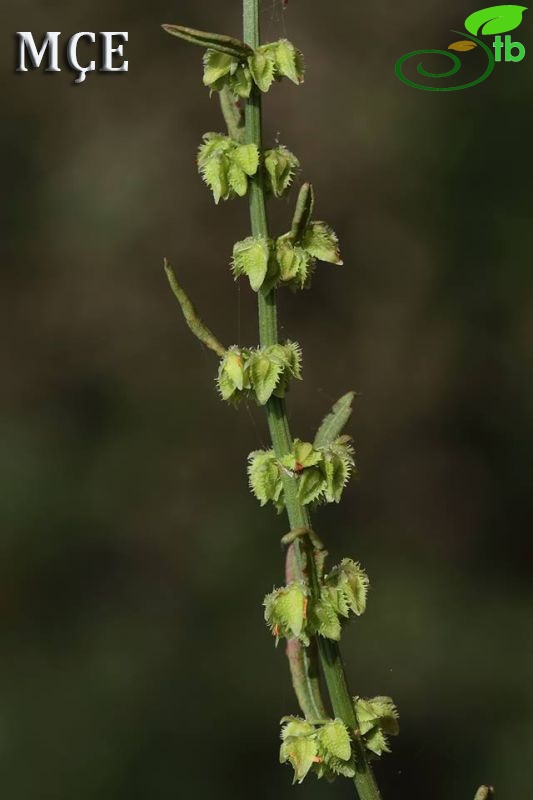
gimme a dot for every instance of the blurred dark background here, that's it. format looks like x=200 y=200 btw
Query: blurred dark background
x=135 y=663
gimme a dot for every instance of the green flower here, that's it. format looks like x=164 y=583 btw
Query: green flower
x=286 y=612
x=280 y=168
x=226 y=165
x=221 y=70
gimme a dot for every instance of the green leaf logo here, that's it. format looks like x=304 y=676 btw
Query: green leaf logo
x=493 y=20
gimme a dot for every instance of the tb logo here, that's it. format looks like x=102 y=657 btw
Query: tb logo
x=508 y=46
x=491 y=21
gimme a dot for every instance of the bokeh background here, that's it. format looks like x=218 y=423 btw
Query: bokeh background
x=135 y=663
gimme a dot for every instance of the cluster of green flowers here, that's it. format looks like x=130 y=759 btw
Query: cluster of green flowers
x=291 y=613
x=263 y=66
x=226 y=165
x=259 y=372
x=286 y=261
x=321 y=472
x=325 y=748
x=377 y=719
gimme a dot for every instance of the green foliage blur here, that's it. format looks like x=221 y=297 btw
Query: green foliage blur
x=135 y=661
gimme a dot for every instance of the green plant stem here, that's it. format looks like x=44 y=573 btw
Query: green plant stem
x=329 y=653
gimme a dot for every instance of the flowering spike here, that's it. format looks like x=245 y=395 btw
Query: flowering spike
x=297 y=473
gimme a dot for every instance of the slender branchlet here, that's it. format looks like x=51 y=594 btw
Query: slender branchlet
x=190 y=314
x=340 y=737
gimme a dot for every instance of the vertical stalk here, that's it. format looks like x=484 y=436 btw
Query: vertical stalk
x=329 y=653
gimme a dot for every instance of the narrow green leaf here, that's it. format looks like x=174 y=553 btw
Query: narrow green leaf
x=333 y=424
x=190 y=314
x=214 y=41
x=303 y=211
